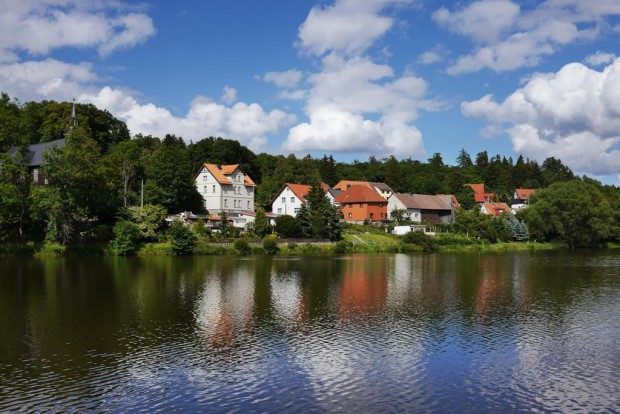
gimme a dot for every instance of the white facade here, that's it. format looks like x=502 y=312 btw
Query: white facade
x=234 y=196
x=286 y=202
x=414 y=214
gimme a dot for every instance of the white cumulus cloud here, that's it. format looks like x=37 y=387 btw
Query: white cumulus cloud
x=573 y=114
x=37 y=27
x=507 y=37
x=347 y=26
x=600 y=58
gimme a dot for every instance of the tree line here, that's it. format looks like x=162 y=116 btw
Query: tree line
x=102 y=171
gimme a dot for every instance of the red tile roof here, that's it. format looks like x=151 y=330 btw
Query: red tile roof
x=359 y=194
x=477 y=188
x=301 y=190
x=524 y=193
x=496 y=209
x=221 y=173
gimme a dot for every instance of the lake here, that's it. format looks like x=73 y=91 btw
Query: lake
x=466 y=332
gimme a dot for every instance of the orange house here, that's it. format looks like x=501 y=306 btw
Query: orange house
x=360 y=203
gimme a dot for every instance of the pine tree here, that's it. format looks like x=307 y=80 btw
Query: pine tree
x=303 y=218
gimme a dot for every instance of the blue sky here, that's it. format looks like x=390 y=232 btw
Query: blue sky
x=348 y=77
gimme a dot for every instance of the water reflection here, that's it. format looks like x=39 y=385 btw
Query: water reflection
x=460 y=332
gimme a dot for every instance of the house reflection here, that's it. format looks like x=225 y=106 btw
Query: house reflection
x=491 y=285
x=364 y=286
x=224 y=311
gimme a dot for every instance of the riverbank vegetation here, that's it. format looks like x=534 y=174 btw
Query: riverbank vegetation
x=99 y=180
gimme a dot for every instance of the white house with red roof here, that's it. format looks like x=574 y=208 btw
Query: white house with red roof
x=291 y=197
x=495 y=209
x=225 y=188
x=521 y=198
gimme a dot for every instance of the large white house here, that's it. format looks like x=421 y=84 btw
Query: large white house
x=225 y=188
x=292 y=196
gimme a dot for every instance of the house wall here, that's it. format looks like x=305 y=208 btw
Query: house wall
x=359 y=212
x=233 y=198
x=395 y=204
x=286 y=203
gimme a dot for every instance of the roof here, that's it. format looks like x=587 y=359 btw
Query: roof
x=301 y=190
x=221 y=173
x=253 y=214
x=36 y=152
x=359 y=194
x=524 y=193
x=495 y=209
x=423 y=201
x=382 y=186
x=334 y=192
x=477 y=188
x=450 y=199
x=344 y=184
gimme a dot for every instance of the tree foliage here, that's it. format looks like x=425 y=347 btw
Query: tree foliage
x=181 y=238
x=573 y=212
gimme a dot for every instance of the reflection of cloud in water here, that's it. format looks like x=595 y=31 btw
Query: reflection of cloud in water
x=406 y=281
x=285 y=295
x=225 y=306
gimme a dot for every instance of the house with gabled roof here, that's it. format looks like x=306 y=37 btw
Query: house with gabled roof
x=495 y=209
x=291 y=197
x=360 y=203
x=35 y=158
x=382 y=189
x=521 y=198
x=225 y=188
x=480 y=195
x=424 y=208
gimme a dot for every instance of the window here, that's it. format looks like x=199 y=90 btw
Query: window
x=279 y=211
x=235 y=203
x=205 y=189
x=248 y=204
x=205 y=177
x=296 y=210
x=214 y=189
x=350 y=215
x=284 y=200
x=35 y=175
x=381 y=214
x=371 y=215
x=250 y=190
x=292 y=199
x=225 y=202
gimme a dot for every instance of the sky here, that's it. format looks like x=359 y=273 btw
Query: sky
x=351 y=78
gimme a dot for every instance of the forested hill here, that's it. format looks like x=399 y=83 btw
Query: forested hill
x=168 y=165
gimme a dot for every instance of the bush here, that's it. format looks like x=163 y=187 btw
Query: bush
x=270 y=244
x=200 y=230
x=242 y=246
x=287 y=227
x=182 y=239
x=150 y=219
x=342 y=246
x=156 y=249
x=53 y=249
x=418 y=238
x=126 y=238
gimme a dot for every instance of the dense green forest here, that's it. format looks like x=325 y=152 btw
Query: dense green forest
x=98 y=174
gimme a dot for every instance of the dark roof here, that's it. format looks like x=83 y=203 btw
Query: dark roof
x=334 y=192
x=382 y=186
x=36 y=151
x=423 y=201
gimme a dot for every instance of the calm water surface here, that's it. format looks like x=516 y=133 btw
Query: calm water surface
x=397 y=333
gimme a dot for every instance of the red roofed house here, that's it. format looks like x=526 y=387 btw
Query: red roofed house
x=521 y=198
x=382 y=189
x=291 y=197
x=480 y=196
x=225 y=188
x=359 y=203
x=495 y=209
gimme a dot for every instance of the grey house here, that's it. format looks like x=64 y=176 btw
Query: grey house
x=36 y=159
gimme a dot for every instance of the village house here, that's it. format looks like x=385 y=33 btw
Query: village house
x=494 y=209
x=480 y=196
x=35 y=158
x=244 y=218
x=521 y=198
x=382 y=189
x=291 y=197
x=360 y=203
x=424 y=208
x=225 y=188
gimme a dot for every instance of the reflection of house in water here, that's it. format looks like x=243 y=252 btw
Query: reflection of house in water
x=226 y=307
x=491 y=284
x=364 y=285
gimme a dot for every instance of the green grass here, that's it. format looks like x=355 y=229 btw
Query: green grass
x=501 y=247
